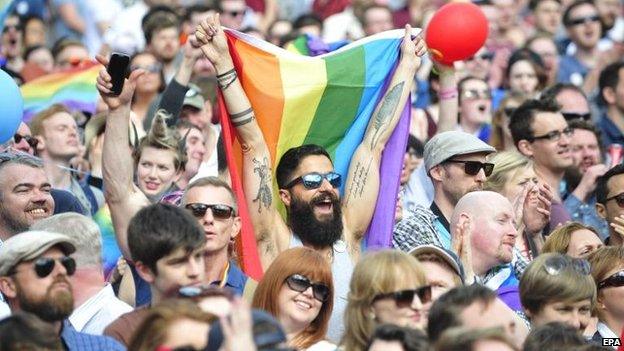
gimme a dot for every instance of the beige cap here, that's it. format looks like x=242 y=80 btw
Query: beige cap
x=445 y=145
x=30 y=245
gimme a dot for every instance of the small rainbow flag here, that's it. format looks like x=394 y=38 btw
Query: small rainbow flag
x=326 y=100
x=309 y=45
x=74 y=88
x=6 y=6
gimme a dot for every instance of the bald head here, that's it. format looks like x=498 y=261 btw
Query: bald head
x=475 y=203
x=493 y=231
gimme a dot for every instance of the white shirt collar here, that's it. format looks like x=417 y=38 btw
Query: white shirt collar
x=605 y=331
x=83 y=313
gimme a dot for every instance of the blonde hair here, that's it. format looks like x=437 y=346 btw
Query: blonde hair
x=603 y=261
x=506 y=164
x=538 y=287
x=36 y=124
x=559 y=239
x=162 y=137
x=497 y=139
x=377 y=273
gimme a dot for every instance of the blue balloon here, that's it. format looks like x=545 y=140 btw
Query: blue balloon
x=11 y=107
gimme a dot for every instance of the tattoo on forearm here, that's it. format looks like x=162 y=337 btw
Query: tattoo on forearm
x=226 y=79
x=242 y=118
x=387 y=109
x=360 y=178
x=264 y=197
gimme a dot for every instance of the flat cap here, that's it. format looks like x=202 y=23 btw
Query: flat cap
x=30 y=245
x=445 y=145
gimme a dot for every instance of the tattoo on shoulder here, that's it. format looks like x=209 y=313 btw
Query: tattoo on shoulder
x=264 y=197
x=387 y=109
x=360 y=177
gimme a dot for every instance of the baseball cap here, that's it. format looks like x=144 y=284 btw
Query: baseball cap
x=445 y=145
x=447 y=256
x=267 y=332
x=30 y=245
x=193 y=97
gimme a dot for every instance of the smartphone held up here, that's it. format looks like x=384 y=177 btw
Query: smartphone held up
x=118 y=70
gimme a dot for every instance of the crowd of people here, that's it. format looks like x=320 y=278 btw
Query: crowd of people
x=118 y=228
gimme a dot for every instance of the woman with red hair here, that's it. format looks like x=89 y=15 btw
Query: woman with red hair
x=298 y=290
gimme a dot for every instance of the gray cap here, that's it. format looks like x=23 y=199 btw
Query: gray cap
x=194 y=97
x=30 y=245
x=447 y=255
x=445 y=145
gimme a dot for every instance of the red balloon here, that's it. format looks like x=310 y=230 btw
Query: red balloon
x=456 y=32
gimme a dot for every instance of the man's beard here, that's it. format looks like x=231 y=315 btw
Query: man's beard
x=572 y=177
x=52 y=308
x=311 y=231
x=11 y=223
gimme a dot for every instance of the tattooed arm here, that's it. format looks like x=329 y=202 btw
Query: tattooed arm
x=362 y=184
x=272 y=234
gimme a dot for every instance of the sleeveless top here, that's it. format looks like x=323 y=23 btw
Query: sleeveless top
x=342 y=269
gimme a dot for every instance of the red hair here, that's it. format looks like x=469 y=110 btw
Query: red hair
x=310 y=264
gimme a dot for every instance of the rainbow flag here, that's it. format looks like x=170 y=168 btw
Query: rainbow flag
x=309 y=45
x=6 y=6
x=74 y=88
x=326 y=100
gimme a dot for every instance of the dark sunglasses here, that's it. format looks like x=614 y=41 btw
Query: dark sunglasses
x=569 y=116
x=404 y=298
x=234 y=13
x=45 y=265
x=299 y=283
x=619 y=199
x=30 y=140
x=473 y=167
x=155 y=68
x=218 y=211
x=474 y=94
x=15 y=27
x=486 y=56
x=555 y=135
x=582 y=20
x=314 y=180
x=509 y=111
x=557 y=264
x=615 y=280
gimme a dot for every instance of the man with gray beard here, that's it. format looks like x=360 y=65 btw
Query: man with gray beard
x=34 y=271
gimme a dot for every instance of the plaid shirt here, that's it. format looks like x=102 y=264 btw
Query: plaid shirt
x=417 y=228
x=77 y=341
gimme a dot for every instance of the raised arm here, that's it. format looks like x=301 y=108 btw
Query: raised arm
x=123 y=197
x=272 y=234
x=173 y=96
x=362 y=184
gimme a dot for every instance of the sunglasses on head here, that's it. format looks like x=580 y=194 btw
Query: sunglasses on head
x=473 y=167
x=404 y=298
x=583 y=20
x=299 y=283
x=557 y=264
x=45 y=265
x=219 y=211
x=615 y=280
x=569 y=116
x=314 y=180
x=619 y=199
x=30 y=140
